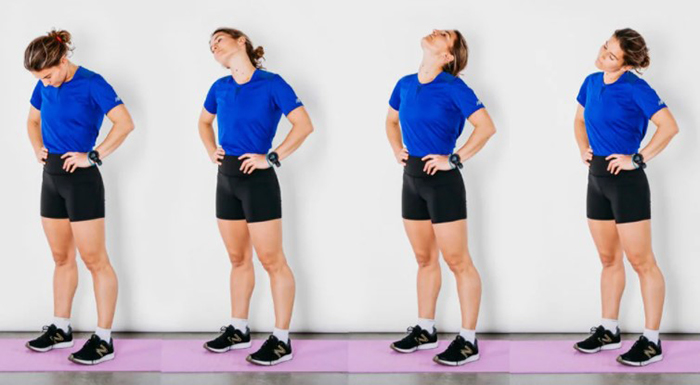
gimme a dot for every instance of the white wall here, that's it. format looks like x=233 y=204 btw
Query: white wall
x=341 y=190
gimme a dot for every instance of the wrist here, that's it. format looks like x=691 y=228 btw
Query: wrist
x=273 y=159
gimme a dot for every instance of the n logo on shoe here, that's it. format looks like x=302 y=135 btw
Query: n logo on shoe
x=422 y=339
x=57 y=338
x=102 y=350
x=649 y=352
x=467 y=351
x=279 y=351
x=235 y=339
x=606 y=339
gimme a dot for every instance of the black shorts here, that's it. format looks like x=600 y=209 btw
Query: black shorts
x=254 y=197
x=624 y=197
x=440 y=197
x=78 y=196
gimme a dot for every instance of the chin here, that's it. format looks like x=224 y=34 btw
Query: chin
x=599 y=66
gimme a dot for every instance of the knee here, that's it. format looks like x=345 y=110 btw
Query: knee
x=239 y=260
x=272 y=262
x=642 y=263
x=610 y=259
x=459 y=264
x=427 y=260
x=95 y=261
x=63 y=258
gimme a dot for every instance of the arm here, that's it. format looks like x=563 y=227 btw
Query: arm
x=666 y=129
x=393 y=133
x=206 y=133
x=483 y=130
x=34 y=131
x=582 y=137
x=122 y=125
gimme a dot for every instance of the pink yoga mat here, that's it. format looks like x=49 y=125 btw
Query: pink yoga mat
x=560 y=357
x=375 y=356
x=130 y=355
x=309 y=356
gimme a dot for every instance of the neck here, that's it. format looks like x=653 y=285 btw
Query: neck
x=72 y=69
x=611 y=77
x=241 y=68
x=430 y=68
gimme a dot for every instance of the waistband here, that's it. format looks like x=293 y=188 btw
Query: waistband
x=599 y=167
x=54 y=166
x=414 y=167
x=231 y=166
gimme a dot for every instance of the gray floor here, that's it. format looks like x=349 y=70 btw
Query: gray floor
x=118 y=378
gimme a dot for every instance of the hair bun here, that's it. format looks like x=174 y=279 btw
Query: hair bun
x=259 y=52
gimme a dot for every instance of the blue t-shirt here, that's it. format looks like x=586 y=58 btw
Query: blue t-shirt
x=432 y=115
x=617 y=115
x=248 y=113
x=72 y=114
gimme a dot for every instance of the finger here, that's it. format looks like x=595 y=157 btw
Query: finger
x=612 y=156
x=244 y=165
x=250 y=168
x=244 y=156
x=68 y=154
x=427 y=157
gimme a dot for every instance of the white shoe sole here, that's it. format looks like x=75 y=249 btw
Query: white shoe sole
x=108 y=357
x=286 y=358
x=60 y=345
x=242 y=345
x=604 y=347
x=456 y=363
x=429 y=346
x=643 y=363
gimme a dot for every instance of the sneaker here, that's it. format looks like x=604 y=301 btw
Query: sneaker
x=600 y=339
x=272 y=352
x=53 y=338
x=230 y=339
x=642 y=353
x=459 y=352
x=417 y=339
x=93 y=352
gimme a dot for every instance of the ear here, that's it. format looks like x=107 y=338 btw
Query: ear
x=241 y=41
x=627 y=68
x=449 y=58
x=64 y=60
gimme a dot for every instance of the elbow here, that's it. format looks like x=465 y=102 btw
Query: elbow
x=129 y=127
x=309 y=129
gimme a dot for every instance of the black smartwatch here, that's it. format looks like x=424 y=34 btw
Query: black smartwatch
x=274 y=159
x=456 y=161
x=638 y=160
x=94 y=157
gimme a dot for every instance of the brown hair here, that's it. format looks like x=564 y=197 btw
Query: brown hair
x=460 y=51
x=636 y=53
x=254 y=54
x=47 y=51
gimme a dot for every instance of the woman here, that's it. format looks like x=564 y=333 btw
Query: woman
x=249 y=104
x=427 y=112
x=614 y=110
x=67 y=109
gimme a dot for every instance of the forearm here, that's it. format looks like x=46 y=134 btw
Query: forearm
x=662 y=137
x=34 y=131
x=581 y=136
x=393 y=133
x=114 y=139
x=297 y=135
x=206 y=133
x=477 y=140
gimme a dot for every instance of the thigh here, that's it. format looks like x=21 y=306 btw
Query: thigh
x=446 y=197
x=422 y=238
x=90 y=239
x=635 y=238
x=452 y=240
x=236 y=239
x=413 y=207
x=261 y=196
x=60 y=237
x=84 y=194
x=605 y=237
x=228 y=206
x=598 y=206
x=52 y=204
x=267 y=239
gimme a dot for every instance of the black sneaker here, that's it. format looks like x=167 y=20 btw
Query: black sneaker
x=600 y=339
x=642 y=353
x=272 y=352
x=417 y=339
x=230 y=339
x=53 y=338
x=459 y=352
x=93 y=352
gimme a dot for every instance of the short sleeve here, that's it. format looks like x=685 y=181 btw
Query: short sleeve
x=465 y=99
x=103 y=94
x=646 y=98
x=210 y=102
x=395 y=99
x=581 y=98
x=283 y=95
x=36 y=96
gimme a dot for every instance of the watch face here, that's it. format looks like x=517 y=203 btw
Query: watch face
x=636 y=158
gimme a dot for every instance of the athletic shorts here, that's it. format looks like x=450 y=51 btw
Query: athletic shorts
x=254 y=197
x=440 y=197
x=78 y=196
x=624 y=197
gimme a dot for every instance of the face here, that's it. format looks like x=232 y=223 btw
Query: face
x=224 y=46
x=439 y=43
x=610 y=57
x=53 y=76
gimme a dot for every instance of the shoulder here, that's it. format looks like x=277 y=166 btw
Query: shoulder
x=596 y=76
x=635 y=81
x=407 y=79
